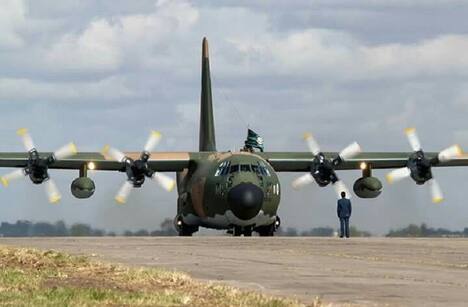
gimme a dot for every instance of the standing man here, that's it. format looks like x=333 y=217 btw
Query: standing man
x=344 y=213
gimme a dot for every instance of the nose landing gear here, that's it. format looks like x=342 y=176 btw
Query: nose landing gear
x=238 y=231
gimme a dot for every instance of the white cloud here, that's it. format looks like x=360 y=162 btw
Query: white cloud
x=12 y=89
x=105 y=44
x=12 y=18
x=95 y=49
x=340 y=56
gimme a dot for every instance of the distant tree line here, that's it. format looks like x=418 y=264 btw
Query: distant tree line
x=423 y=230
x=411 y=230
x=24 y=228
x=60 y=229
x=320 y=232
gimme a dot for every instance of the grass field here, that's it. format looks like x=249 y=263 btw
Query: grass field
x=48 y=278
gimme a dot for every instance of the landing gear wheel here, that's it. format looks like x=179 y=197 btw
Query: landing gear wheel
x=238 y=231
x=185 y=233
x=185 y=230
x=268 y=230
x=248 y=232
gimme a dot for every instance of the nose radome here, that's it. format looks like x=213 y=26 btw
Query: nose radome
x=245 y=200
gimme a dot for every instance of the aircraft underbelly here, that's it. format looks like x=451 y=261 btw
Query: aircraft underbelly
x=228 y=219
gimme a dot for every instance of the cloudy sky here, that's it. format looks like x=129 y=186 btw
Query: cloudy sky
x=99 y=72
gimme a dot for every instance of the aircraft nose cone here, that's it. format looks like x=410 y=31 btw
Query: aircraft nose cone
x=245 y=200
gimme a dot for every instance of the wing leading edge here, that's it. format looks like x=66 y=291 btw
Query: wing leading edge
x=159 y=161
x=301 y=161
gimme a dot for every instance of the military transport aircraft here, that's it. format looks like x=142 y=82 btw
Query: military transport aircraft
x=237 y=191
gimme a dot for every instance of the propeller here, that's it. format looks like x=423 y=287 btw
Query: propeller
x=323 y=169
x=37 y=167
x=419 y=166
x=138 y=170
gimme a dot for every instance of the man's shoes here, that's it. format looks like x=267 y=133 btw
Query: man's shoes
x=341 y=237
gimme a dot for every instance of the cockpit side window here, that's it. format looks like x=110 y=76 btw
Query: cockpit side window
x=223 y=168
x=255 y=169
x=220 y=169
x=226 y=168
x=264 y=170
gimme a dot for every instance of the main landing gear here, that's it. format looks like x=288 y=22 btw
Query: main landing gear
x=185 y=230
x=268 y=230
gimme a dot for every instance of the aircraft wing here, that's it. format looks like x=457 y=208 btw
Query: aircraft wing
x=301 y=161
x=159 y=161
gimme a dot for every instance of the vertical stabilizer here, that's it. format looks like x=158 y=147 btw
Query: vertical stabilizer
x=207 y=130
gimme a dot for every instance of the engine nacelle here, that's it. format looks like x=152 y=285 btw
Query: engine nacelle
x=367 y=187
x=82 y=187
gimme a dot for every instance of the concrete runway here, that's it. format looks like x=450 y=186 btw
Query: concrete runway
x=361 y=271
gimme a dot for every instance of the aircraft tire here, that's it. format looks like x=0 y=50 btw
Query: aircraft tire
x=237 y=232
x=266 y=231
x=187 y=230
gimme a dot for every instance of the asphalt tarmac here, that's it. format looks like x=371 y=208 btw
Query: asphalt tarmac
x=361 y=271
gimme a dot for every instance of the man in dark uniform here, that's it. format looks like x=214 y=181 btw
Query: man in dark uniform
x=344 y=213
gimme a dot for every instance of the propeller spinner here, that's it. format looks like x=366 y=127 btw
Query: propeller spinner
x=138 y=170
x=323 y=169
x=419 y=165
x=37 y=166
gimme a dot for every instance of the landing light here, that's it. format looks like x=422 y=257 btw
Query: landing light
x=363 y=165
x=91 y=166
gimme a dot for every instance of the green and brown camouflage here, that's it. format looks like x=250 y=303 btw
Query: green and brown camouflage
x=228 y=190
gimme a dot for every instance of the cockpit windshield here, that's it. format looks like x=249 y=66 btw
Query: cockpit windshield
x=226 y=168
x=234 y=169
x=245 y=168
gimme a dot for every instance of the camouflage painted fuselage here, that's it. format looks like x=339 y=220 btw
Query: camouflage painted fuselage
x=211 y=191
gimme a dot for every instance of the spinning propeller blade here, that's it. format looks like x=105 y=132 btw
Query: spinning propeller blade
x=113 y=153
x=413 y=139
x=311 y=143
x=436 y=192
x=166 y=182
x=37 y=166
x=52 y=191
x=124 y=192
x=419 y=166
x=14 y=175
x=322 y=170
x=350 y=151
x=398 y=174
x=302 y=181
x=153 y=140
x=450 y=153
x=137 y=170
x=66 y=151
x=26 y=139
